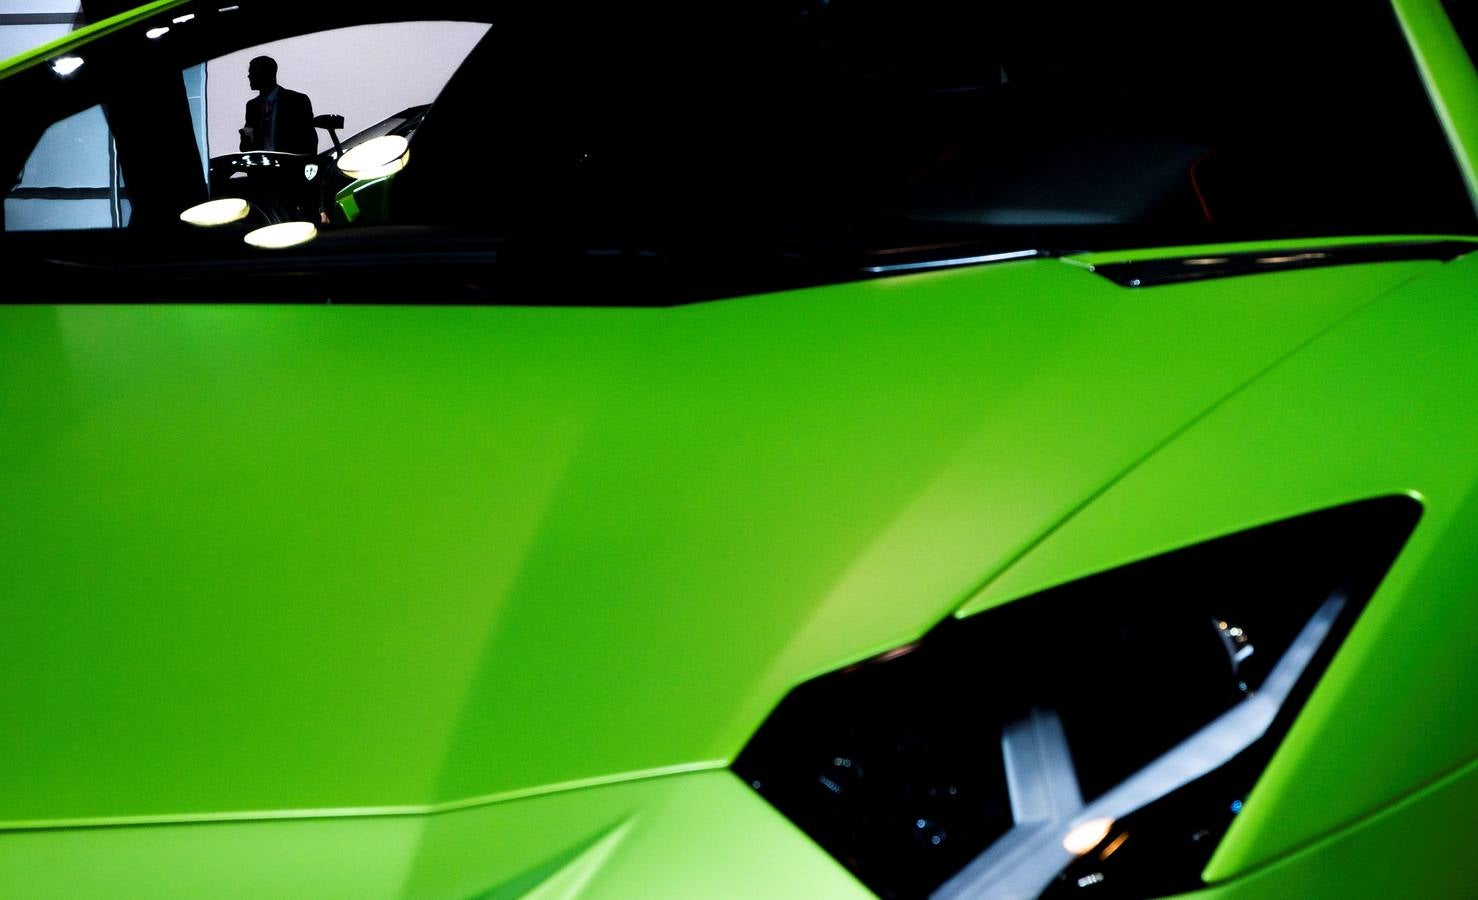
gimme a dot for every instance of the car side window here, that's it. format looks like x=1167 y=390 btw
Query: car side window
x=227 y=103
x=280 y=114
x=71 y=180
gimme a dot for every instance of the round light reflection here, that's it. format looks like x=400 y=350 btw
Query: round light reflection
x=283 y=234
x=1086 y=836
x=216 y=212
x=376 y=157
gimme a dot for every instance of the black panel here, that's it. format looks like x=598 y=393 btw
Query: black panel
x=1203 y=267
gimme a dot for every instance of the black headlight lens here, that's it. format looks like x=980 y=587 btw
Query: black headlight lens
x=1126 y=716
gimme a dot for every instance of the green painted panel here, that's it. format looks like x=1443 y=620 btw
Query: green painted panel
x=1386 y=403
x=1420 y=846
x=292 y=558
x=702 y=835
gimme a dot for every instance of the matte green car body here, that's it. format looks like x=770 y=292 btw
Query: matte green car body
x=481 y=601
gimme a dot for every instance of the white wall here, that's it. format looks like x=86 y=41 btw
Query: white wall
x=16 y=39
x=365 y=73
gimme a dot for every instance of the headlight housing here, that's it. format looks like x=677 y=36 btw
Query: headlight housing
x=1101 y=734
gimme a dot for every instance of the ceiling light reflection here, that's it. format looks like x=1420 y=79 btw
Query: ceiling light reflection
x=376 y=157
x=1292 y=258
x=282 y=235
x=216 y=212
x=897 y=652
x=155 y=34
x=1088 y=835
x=1116 y=844
x=66 y=65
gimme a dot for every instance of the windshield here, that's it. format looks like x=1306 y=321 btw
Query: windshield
x=817 y=128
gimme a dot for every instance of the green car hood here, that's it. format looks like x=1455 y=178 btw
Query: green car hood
x=269 y=561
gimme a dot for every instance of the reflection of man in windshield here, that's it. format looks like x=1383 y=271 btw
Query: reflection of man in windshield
x=277 y=118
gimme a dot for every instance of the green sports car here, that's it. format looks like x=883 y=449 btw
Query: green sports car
x=799 y=448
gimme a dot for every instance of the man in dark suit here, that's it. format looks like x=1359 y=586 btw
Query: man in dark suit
x=277 y=118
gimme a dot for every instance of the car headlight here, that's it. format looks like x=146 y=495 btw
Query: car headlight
x=1101 y=734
